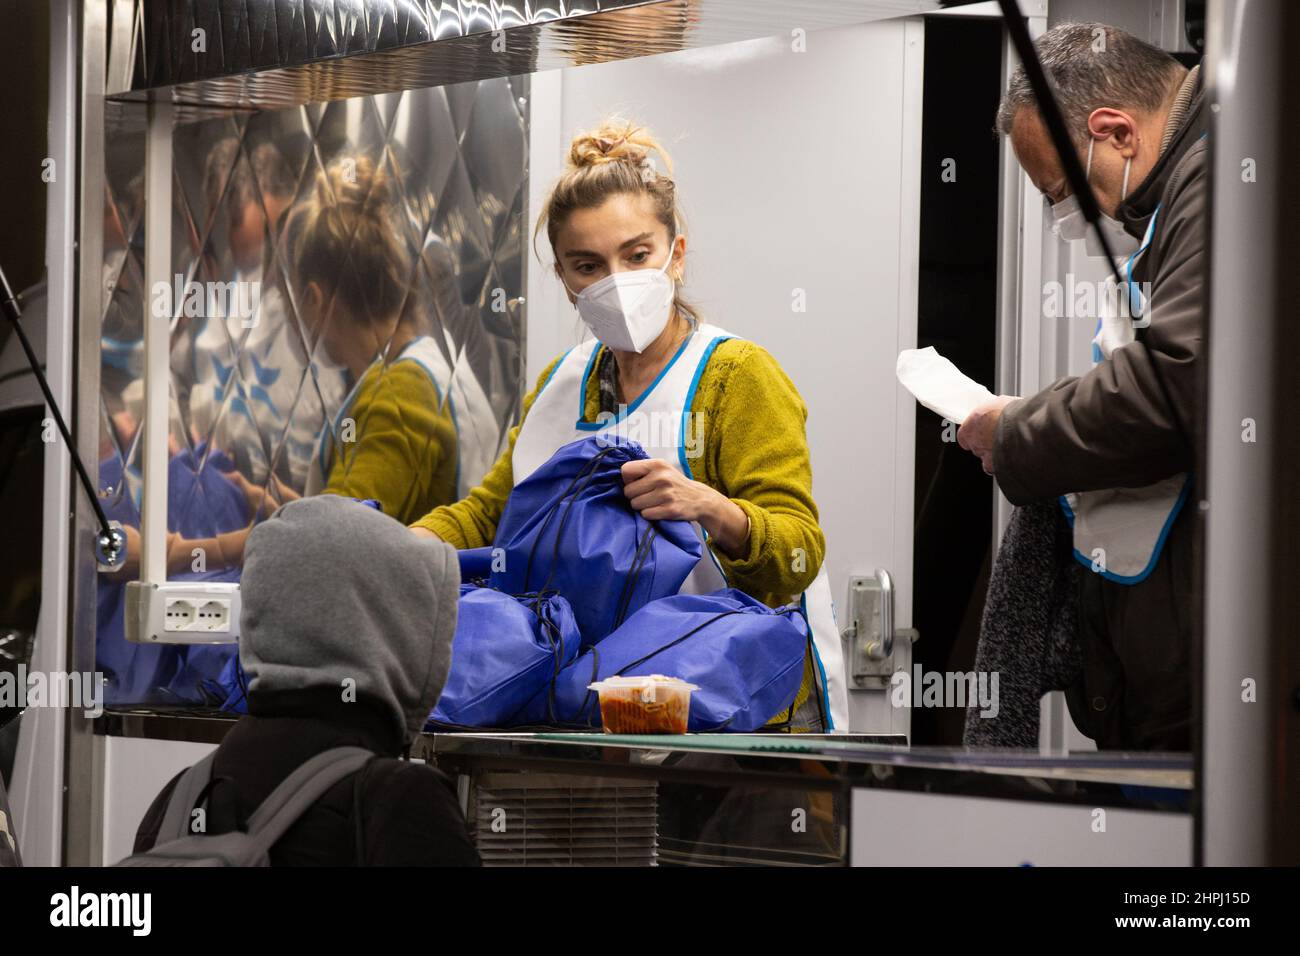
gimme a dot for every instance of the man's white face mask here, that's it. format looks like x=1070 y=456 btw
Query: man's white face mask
x=1069 y=225
x=627 y=310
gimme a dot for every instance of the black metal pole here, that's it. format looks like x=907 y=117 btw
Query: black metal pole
x=1050 y=110
x=14 y=313
x=1074 y=172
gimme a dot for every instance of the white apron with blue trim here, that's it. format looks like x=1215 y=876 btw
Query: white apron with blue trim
x=657 y=421
x=1119 y=532
x=478 y=434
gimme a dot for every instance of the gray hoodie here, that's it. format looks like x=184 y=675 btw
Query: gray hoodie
x=339 y=597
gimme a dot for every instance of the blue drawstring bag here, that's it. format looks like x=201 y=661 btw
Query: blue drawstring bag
x=569 y=528
x=230 y=688
x=746 y=658
x=506 y=651
x=475 y=564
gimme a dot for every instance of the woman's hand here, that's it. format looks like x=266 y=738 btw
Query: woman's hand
x=420 y=532
x=262 y=501
x=660 y=492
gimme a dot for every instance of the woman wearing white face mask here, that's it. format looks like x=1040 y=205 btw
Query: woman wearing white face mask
x=737 y=465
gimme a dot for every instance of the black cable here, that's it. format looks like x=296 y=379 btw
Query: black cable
x=584 y=475
x=16 y=373
x=631 y=580
x=239 y=679
x=14 y=314
x=595 y=676
x=673 y=643
x=1050 y=110
x=556 y=641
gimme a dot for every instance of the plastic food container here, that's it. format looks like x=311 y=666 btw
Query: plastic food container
x=649 y=704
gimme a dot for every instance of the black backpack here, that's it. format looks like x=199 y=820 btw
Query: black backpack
x=177 y=845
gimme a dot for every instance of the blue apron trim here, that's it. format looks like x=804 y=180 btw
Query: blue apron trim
x=623 y=412
x=451 y=404
x=323 y=451
x=556 y=367
x=817 y=659
x=1155 y=552
x=686 y=469
x=1128 y=266
x=681 y=437
x=690 y=400
x=1097 y=357
x=582 y=387
x=327 y=433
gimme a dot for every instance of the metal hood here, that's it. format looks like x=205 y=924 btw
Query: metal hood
x=273 y=54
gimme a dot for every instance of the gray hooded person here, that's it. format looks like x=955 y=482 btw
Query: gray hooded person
x=346 y=636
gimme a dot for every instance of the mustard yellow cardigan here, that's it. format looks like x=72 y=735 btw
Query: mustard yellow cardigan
x=404 y=453
x=755 y=452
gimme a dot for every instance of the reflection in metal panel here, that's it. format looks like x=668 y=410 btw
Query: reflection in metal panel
x=345 y=315
x=279 y=53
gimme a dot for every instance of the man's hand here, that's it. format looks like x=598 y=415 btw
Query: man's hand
x=980 y=428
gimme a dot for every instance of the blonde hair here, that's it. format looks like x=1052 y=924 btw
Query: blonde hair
x=616 y=158
x=345 y=238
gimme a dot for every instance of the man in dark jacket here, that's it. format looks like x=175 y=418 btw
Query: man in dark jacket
x=1124 y=429
x=346 y=637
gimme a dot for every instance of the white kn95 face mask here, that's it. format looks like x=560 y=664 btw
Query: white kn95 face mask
x=627 y=310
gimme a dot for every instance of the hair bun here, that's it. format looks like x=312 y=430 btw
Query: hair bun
x=614 y=141
x=352 y=181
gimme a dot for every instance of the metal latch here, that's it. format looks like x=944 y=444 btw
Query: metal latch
x=870 y=635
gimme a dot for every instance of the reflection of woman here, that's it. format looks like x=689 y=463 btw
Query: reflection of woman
x=394 y=439
x=738 y=465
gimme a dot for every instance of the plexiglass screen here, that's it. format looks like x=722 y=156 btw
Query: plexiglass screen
x=346 y=316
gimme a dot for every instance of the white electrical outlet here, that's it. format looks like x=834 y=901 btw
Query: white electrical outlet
x=182 y=613
x=179 y=614
x=185 y=615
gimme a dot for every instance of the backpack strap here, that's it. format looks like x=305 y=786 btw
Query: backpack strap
x=176 y=821
x=358 y=823
x=300 y=790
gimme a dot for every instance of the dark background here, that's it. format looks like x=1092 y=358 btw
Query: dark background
x=957 y=314
x=24 y=73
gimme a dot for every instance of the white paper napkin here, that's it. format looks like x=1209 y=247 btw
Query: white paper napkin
x=938 y=385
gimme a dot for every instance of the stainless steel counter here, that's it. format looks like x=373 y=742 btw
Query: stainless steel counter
x=781 y=799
